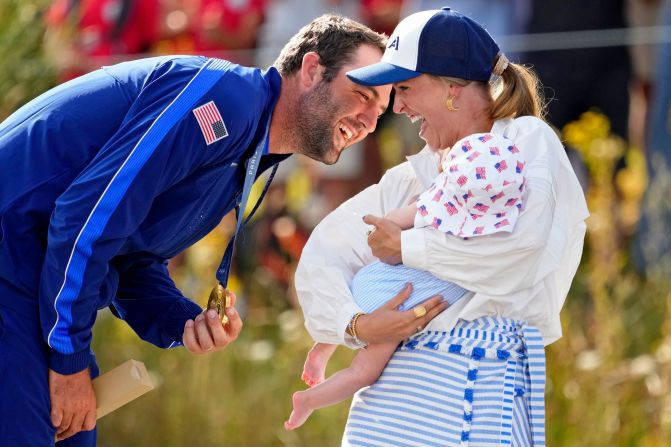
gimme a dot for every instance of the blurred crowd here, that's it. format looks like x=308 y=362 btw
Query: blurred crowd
x=584 y=51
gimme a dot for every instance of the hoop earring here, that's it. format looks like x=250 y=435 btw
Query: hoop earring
x=450 y=104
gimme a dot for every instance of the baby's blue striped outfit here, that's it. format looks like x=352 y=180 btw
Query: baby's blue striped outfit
x=377 y=283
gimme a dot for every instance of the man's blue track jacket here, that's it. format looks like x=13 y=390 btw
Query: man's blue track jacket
x=108 y=176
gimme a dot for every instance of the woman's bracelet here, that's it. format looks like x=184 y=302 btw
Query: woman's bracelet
x=352 y=326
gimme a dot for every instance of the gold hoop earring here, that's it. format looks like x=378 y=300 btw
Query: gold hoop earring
x=450 y=104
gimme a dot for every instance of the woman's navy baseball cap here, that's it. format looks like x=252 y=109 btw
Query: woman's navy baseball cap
x=440 y=42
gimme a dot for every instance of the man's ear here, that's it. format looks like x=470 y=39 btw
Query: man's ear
x=311 y=69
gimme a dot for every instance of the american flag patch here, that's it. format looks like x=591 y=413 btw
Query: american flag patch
x=451 y=209
x=211 y=123
x=496 y=197
x=501 y=166
x=473 y=156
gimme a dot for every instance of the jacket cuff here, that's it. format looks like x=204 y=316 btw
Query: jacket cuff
x=69 y=363
x=413 y=249
x=174 y=320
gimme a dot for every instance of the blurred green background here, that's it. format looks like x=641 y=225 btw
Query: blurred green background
x=609 y=377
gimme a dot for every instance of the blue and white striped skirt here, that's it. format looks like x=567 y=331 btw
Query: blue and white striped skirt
x=481 y=384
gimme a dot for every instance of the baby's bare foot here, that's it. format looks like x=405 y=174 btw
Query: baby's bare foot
x=315 y=367
x=300 y=413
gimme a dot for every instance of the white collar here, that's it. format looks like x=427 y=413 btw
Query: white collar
x=425 y=165
x=500 y=126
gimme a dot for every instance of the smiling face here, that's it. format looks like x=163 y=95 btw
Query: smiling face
x=334 y=115
x=423 y=99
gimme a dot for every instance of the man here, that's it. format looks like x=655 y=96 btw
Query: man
x=109 y=175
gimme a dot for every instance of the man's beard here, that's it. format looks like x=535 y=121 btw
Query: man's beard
x=314 y=124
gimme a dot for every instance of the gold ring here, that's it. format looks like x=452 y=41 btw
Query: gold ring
x=419 y=311
x=419 y=329
x=369 y=232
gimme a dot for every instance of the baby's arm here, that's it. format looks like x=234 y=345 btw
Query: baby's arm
x=404 y=217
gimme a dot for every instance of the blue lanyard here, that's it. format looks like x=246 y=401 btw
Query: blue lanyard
x=252 y=166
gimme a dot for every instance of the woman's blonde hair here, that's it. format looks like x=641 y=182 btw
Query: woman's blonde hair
x=521 y=94
x=518 y=92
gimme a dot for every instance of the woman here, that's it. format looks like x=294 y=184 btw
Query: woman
x=446 y=385
x=478 y=192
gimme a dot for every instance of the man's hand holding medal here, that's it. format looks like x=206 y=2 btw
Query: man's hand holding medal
x=216 y=326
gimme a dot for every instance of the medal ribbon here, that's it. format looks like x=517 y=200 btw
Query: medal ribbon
x=252 y=167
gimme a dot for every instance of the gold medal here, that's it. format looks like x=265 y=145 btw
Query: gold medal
x=220 y=300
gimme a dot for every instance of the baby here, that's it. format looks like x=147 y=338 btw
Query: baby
x=478 y=192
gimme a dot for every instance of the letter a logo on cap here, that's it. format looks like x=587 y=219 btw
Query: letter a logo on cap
x=394 y=44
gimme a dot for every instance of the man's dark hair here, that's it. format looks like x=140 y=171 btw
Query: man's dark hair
x=334 y=38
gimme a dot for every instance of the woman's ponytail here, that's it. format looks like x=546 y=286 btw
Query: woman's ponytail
x=521 y=94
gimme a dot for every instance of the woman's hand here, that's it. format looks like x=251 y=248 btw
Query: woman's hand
x=388 y=324
x=385 y=241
